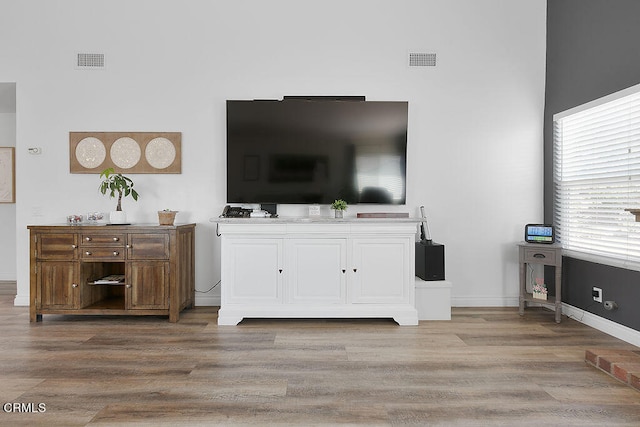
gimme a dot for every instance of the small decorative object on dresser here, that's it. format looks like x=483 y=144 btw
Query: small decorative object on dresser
x=117 y=183
x=339 y=206
x=166 y=217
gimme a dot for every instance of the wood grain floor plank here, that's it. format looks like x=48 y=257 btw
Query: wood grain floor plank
x=487 y=366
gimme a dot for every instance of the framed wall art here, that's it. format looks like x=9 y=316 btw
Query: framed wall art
x=7 y=175
x=130 y=152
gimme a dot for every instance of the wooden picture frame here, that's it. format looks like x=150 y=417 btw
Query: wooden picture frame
x=7 y=175
x=125 y=152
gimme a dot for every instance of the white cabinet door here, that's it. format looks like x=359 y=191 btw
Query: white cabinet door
x=316 y=270
x=379 y=270
x=252 y=271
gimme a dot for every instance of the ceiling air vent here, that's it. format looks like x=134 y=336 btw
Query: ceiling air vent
x=90 y=61
x=422 y=59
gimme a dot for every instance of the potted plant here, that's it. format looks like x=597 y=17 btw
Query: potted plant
x=166 y=216
x=115 y=183
x=339 y=206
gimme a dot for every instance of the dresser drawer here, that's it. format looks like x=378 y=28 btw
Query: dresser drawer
x=102 y=253
x=540 y=255
x=148 y=246
x=56 y=246
x=88 y=239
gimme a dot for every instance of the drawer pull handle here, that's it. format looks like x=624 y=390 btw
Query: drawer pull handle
x=539 y=256
x=116 y=253
x=87 y=253
x=355 y=270
x=116 y=239
x=88 y=239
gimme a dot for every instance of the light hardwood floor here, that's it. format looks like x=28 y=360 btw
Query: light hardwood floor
x=484 y=367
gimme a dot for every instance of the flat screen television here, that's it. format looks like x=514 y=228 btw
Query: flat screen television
x=307 y=151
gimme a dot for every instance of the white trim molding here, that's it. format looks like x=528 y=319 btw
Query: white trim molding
x=604 y=325
x=485 y=301
x=21 y=301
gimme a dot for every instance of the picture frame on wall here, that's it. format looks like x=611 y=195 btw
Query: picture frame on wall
x=125 y=152
x=7 y=175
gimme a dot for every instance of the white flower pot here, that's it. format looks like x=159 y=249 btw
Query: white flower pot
x=118 y=217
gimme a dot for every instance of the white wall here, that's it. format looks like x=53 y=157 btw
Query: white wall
x=7 y=210
x=475 y=125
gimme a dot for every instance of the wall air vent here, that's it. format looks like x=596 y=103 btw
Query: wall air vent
x=422 y=59
x=90 y=61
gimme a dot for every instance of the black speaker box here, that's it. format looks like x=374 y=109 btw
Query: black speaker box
x=429 y=260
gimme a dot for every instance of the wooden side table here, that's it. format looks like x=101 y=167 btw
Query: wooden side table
x=542 y=254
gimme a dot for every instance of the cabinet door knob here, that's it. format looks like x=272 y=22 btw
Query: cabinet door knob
x=355 y=270
x=128 y=286
x=280 y=271
x=344 y=270
x=116 y=253
x=116 y=239
x=129 y=246
x=87 y=253
x=88 y=239
x=74 y=285
x=74 y=246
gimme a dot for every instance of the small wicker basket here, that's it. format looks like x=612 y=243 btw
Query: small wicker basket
x=166 y=217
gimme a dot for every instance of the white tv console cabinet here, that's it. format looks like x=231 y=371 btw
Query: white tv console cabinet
x=317 y=268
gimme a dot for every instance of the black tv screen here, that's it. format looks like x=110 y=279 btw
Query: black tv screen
x=315 y=151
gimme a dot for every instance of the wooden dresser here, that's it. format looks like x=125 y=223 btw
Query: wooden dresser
x=156 y=264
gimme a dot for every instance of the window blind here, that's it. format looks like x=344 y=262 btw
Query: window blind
x=596 y=177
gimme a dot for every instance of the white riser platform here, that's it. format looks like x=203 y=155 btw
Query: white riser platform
x=433 y=299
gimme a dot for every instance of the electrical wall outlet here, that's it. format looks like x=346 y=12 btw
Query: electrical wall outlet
x=596 y=293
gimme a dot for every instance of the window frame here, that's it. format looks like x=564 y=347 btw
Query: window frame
x=596 y=227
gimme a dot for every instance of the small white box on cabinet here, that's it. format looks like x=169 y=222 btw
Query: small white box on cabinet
x=314 y=210
x=433 y=299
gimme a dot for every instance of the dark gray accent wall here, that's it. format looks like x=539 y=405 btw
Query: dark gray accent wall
x=617 y=284
x=593 y=49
